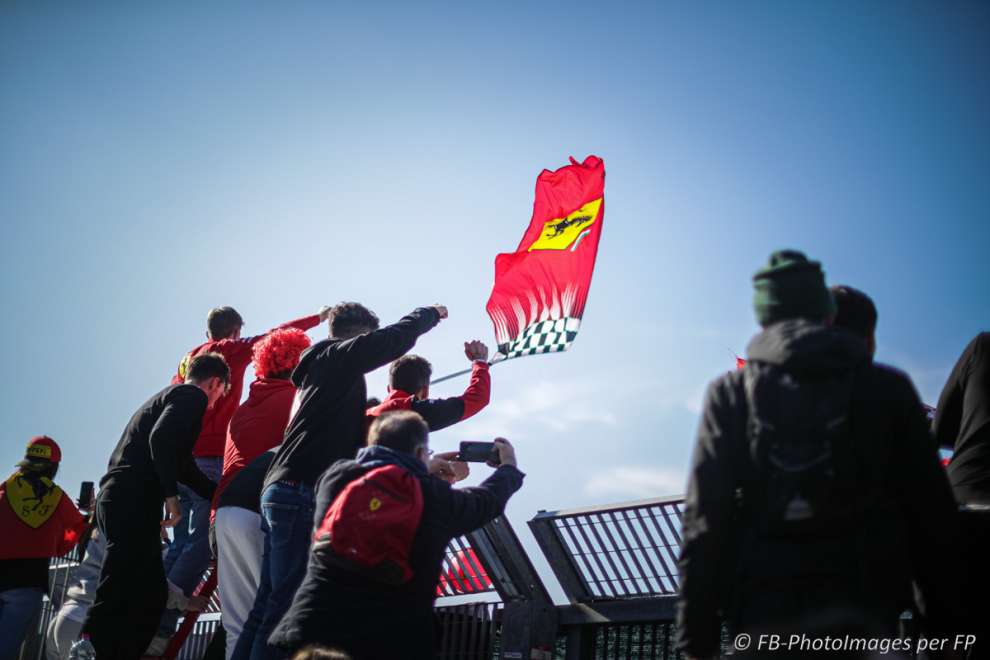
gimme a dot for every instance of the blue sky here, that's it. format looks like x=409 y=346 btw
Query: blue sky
x=156 y=161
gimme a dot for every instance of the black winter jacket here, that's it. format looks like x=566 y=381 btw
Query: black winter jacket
x=909 y=514
x=328 y=422
x=155 y=450
x=962 y=422
x=369 y=619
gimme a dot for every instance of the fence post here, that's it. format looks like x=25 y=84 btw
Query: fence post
x=581 y=643
x=529 y=630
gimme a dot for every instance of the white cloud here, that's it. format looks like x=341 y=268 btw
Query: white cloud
x=552 y=406
x=636 y=482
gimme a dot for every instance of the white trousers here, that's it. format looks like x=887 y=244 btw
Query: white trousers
x=64 y=629
x=239 y=546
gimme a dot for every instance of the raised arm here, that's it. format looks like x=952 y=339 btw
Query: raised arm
x=441 y=413
x=304 y=323
x=467 y=509
x=369 y=351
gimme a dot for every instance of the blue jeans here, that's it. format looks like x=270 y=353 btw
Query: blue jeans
x=18 y=608
x=189 y=554
x=287 y=522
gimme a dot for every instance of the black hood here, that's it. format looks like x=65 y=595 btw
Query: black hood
x=806 y=346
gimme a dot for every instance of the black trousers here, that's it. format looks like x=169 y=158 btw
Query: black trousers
x=131 y=594
x=810 y=612
x=975 y=537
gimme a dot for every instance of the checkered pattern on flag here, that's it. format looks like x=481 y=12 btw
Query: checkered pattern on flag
x=543 y=337
x=541 y=289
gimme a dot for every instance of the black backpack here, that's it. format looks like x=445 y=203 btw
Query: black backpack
x=802 y=463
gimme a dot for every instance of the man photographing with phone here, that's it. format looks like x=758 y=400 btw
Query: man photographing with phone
x=409 y=389
x=383 y=523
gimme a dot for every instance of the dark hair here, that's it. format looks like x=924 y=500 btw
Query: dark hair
x=38 y=466
x=33 y=470
x=372 y=402
x=402 y=430
x=348 y=319
x=410 y=373
x=855 y=311
x=222 y=322
x=314 y=652
x=206 y=366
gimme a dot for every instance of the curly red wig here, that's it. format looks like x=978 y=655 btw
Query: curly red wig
x=278 y=353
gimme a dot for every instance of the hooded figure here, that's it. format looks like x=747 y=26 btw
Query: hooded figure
x=815 y=496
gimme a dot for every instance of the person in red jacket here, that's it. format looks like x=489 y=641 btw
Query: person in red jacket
x=259 y=423
x=409 y=389
x=189 y=554
x=257 y=426
x=37 y=522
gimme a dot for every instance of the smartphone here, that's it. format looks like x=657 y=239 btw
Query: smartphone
x=478 y=452
x=85 y=495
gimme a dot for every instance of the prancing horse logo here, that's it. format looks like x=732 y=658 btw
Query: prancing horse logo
x=562 y=226
x=565 y=233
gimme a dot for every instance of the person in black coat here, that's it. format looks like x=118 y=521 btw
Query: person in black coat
x=368 y=618
x=838 y=563
x=327 y=424
x=962 y=423
x=154 y=452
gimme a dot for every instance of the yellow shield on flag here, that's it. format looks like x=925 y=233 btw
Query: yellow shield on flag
x=565 y=233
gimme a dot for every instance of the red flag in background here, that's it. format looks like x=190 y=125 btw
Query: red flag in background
x=541 y=289
x=464 y=575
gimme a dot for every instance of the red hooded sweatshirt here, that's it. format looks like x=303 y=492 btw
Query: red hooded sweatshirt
x=441 y=413
x=237 y=352
x=257 y=426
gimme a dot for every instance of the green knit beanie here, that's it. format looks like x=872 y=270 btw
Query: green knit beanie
x=789 y=287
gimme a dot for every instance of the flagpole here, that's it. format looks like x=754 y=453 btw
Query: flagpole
x=491 y=362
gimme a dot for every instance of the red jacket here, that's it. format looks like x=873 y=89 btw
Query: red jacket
x=257 y=426
x=441 y=413
x=59 y=532
x=237 y=352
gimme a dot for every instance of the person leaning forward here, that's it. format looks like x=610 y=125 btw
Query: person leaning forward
x=153 y=454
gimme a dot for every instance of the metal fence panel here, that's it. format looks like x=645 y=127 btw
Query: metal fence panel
x=612 y=553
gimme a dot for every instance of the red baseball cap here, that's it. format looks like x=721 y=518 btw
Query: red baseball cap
x=44 y=448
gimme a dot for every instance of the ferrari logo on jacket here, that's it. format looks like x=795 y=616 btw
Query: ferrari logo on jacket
x=32 y=511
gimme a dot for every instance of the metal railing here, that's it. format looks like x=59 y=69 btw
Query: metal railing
x=617 y=566
x=613 y=552
x=471 y=631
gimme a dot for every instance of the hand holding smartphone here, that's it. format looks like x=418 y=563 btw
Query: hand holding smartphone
x=500 y=452
x=478 y=452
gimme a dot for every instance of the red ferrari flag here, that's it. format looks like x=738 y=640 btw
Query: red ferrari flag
x=541 y=289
